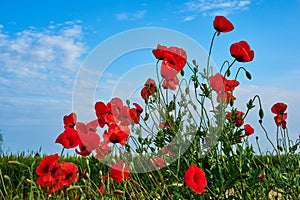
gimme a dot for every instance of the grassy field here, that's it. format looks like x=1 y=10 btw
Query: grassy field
x=281 y=180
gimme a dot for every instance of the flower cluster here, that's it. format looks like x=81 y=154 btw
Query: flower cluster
x=223 y=87
x=118 y=120
x=55 y=175
x=173 y=61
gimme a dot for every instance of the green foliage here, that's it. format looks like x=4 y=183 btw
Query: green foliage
x=228 y=177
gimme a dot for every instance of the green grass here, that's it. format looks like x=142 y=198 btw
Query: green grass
x=17 y=180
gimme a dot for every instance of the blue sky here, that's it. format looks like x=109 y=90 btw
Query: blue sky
x=44 y=43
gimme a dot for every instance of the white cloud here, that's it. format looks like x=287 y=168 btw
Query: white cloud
x=131 y=16
x=122 y=16
x=215 y=7
x=37 y=72
x=189 y=18
x=40 y=62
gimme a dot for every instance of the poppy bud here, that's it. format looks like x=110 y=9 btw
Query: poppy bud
x=248 y=75
x=194 y=62
x=261 y=113
x=182 y=72
x=228 y=73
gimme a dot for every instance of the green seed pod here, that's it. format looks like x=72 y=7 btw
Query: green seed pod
x=261 y=113
x=182 y=72
x=248 y=75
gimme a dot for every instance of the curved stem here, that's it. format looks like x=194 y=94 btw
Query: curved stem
x=210 y=49
x=229 y=66
x=226 y=61
x=239 y=71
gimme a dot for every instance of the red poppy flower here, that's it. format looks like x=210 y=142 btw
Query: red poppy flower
x=236 y=118
x=124 y=116
x=70 y=120
x=216 y=82
x=65 y=176
x=170 y=75
x=68 y=173
x=149 y=89
x=227 y=96
x=116 y=108
x=159 y=52
x=135 y=113
x=174 y=55
x=46 y=171
x=230 y=85
x=223 y=87
x=194 y=177
x=54 y=188
x=89 y=139
x=47 y=164
x=104 y=114
x=117 y=134
x=222 y=24
x=118 y=172
x=248 y=129
x=279 y=108
x=101 y=189
x=241 y=51
x=171 y=83
x=54 y=175
x=69 y=138
x=280 y=118
x=83 y=128
x=157 y=162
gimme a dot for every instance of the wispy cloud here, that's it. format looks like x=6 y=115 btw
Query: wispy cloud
x=40 y=61
x=214 y=7
x=131 y=16
x=37 y=71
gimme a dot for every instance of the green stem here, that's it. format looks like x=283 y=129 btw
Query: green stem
x=210 y=49
x=62 y=151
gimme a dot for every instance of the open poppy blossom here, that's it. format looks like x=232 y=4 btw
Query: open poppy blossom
x=118 y=172
x=194 y=177
x=173 y=61
x=56 y=175
x=68 y=174
x=148 y=89
x=223 y=87
x=173 y=55
x=117 y=134
x=89 y=142
x=222 y=24
x=69 y=138
x=70 y=120
x=170 y=76
x=216 y=82
x=135 y=113
x=241 y=51
x=103 y=113
x=248 y=129
x=280 y=118
x=48 y=165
